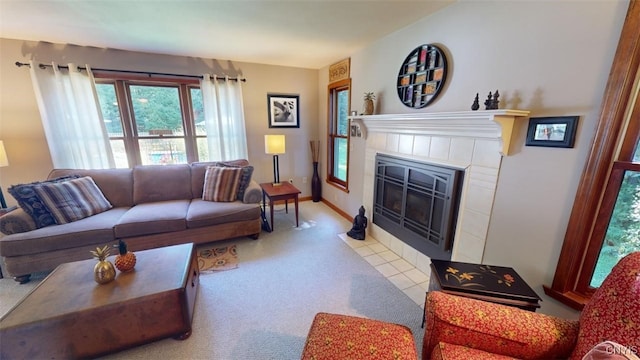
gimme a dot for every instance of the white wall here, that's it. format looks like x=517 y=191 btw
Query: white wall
x=24 y=139
x=551 y=58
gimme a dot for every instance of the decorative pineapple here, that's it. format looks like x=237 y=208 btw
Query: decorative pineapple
x=368 y=103
x=104 y=271
x=126 y=260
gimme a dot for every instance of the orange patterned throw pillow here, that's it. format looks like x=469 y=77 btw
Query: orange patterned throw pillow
x=335 y=337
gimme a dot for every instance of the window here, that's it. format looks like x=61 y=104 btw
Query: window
x=338 y=149
x=153 y=122
x=605 y=220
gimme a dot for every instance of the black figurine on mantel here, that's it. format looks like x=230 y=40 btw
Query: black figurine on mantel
x=495 y=101
x=359 y=225
x=476 y=103
x=488 y=102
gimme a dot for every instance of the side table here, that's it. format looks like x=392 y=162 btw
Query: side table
x=497 y=284
x=284 y=191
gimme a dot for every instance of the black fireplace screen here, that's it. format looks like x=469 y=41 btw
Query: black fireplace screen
x=417 y=203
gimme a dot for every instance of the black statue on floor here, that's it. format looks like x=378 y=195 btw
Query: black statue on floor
x=359 y=225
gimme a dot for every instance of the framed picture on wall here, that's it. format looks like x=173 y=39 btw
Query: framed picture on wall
x=283 y=111
x=559 y=131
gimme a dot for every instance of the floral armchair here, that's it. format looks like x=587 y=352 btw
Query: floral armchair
x=459 y=328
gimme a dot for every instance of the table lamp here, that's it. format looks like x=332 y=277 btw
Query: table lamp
x=274 y=145
x=4 y=162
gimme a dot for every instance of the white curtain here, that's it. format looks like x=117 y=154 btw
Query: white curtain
x=71 y=117
x=224 y=118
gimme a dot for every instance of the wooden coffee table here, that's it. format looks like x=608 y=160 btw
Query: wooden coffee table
x=285 y=191
x=69 y=315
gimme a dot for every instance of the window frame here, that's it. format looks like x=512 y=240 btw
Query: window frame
x=332 y=89
x=130 y=135
x=611 y=153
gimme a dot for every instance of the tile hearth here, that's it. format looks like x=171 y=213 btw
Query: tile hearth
x=406 y=277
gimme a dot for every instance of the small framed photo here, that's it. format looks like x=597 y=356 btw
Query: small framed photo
x=559 y=131
x=354 y=130
x=283 y=111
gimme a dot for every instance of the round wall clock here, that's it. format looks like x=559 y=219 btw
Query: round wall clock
x=421 y=76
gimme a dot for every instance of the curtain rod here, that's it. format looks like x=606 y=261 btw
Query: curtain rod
x=44 y=66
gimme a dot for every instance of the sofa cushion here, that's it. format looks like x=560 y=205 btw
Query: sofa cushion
x=116 y=184
x=97 y=229
x=154 y=183
x=72 y=200
x=221 y=183
x=198 y=169
x=205 y=213
x=32 y=204
x=153 y=218
x=613 y=313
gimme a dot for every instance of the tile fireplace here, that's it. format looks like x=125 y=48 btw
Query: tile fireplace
x=471 y=141
x=418 y=203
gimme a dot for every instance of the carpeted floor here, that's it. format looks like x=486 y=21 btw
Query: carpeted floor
x=263 y=309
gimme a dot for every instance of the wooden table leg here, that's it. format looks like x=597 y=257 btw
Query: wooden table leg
x=271 y=211
x=296 y=210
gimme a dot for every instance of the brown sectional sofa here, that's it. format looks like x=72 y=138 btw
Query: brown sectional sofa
x=153 y=206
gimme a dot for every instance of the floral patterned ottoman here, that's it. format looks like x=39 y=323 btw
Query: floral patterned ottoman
x=334 y=337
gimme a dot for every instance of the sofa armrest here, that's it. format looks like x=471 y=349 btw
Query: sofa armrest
x=496 y=328
x=17 y=221
x=253 y=194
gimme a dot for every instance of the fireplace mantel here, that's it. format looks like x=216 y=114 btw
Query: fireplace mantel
x=485 y=124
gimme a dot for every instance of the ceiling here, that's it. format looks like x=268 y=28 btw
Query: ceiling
x=298 y=33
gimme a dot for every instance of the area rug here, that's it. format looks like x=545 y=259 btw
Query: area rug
x=217 y=258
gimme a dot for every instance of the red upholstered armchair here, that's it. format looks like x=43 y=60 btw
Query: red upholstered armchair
x=460 y=328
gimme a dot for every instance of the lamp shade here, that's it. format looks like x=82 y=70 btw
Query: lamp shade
x=3 y=155
x=274 y=144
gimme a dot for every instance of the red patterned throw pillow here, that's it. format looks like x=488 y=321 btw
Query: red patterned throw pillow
x=613 y=313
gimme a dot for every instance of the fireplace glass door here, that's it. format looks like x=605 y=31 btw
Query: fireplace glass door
x=418 y=203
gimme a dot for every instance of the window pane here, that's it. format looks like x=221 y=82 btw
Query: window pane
x=157 y=110
x=203 y=149
x=198 y=111
x=119 y=153
x=343 y=112
x=636 y=155
x=623 y=233
x=162 y=151
x=109 y=107
x=340 y=159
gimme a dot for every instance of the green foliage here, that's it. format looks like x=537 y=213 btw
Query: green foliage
x=623 y=233
x=156 y=108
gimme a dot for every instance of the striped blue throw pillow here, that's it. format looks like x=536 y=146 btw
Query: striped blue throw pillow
x=73 y=200
x=31 y=203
